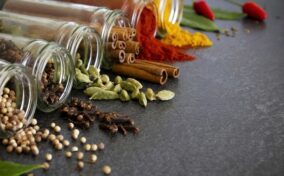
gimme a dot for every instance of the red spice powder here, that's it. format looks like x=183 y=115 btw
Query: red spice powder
x=152 y=48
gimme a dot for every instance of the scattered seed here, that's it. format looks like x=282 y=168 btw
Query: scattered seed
x=66 y=143
x=101 y=146
x=57 y=129
x=93 y=158
x=75 y=134
x=48 y=157
x=52 y=125
x=87 y=147
x=45 y=166
x=94 y=147
x=83 y=140
x=34 y=121
x=60 y=137
x=80 y=165
x=80 y=155
x=71 y=126
x=68 y=154
x=106 y=169
x=74 y=149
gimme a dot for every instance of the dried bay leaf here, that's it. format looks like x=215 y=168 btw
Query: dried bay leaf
x=8 y=168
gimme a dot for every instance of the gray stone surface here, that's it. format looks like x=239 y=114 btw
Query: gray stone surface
x=227 y=117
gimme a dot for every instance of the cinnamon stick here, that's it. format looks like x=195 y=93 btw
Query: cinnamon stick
x=171 y=70
x=120 y=45
x=117 y=55
x=121 y=33
x=132 y=47
x=130 y=58
x=155 y=76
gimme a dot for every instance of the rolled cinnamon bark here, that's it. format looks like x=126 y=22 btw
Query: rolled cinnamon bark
x=132 y=47
x=117 y=55
x=120 y=45
x=171 y=70
x=156 y=76
x=111 y=45
x=122 y=33
x=130 y=58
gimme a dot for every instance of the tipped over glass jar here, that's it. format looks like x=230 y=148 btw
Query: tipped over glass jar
x=18 y=98
x=117 y=35
x=75 y=38
x=51 y=65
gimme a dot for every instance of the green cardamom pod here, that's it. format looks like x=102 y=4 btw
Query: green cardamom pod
x=79 y=62
x=105 y=78
x=142 y=99
x=94 y=73
x=165 y=95
x=128 y=86
x=124 y=96
x=150 y=95
x=108 y=86
x=101 y=94
x=134 y=94
x=137 y=84
x=117 y=80
x=117 y=88
x=82 y=77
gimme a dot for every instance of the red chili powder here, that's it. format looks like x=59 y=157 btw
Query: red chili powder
x=152 y=48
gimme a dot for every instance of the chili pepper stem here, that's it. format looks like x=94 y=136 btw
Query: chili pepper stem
x=234 y=2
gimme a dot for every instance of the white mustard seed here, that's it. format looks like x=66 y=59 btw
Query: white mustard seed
x=68 y=154
x=57 y=129
x=70 y=126
x=83 y=140
x=48 y=157
x=80 y=155
x=87 y=147
x=52 y=125
x=94 y=147
x=80 y=165
x=93 y=158
x=106 y=169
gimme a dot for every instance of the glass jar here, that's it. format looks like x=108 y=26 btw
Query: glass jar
x=75 y=38
x=169 y=11
x=51 y=65
x=102 y=19
x=166 y=11
x=17 y=78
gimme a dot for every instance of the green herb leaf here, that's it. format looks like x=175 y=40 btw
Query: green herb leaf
x=198 y=22
x=228 y=15
x=15 y=169
x=219 y=13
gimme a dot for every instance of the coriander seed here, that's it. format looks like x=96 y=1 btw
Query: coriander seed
x=57 y=129
x=94 y=147
x=52 y=125
x=80 y=155
x=70 y=126
x=45 y=166
x=80 y=165
x=75 y=134
x=48 y=157
x=68 y=154
x=87 y=147
x=74 y=149
x=93 y=158
x=66 y=143
x=83 y=140
x=106 y=169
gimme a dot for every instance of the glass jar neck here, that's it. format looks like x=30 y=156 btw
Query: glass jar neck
x=169 y=12
x=24 y=87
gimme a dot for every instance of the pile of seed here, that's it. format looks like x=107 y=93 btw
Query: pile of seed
x=51 y=91
x=25 y=141
x=84 y=113
x=11 y=118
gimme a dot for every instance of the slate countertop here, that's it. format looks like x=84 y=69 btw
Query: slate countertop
x=227 y=117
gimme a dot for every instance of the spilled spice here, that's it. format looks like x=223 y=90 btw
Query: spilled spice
x=84 y=113
x=152 y=48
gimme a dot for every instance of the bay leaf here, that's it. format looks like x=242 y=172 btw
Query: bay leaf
x=8 y=168
x=199 y=22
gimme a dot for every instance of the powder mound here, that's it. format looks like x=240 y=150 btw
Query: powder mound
x=153 y=49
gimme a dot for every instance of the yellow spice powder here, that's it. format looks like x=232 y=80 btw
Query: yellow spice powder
x=176 y=36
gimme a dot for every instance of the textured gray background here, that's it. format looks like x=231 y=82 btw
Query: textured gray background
x=227 y=117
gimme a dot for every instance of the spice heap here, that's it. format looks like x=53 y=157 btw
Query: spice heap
x=176 y=36
x=152 y=48
x=51 y=89
x=12 y=119
x=84 y=113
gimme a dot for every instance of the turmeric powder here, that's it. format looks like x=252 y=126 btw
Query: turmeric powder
x=176 y=36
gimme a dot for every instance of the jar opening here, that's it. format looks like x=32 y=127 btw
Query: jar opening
x=55 y=76
x=17 y=99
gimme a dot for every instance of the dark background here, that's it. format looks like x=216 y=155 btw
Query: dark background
x=227 y=117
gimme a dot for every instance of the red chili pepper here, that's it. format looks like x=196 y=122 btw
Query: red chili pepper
x=254 y=11
x=202 y=8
